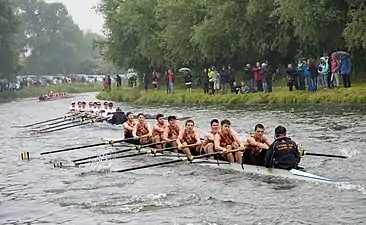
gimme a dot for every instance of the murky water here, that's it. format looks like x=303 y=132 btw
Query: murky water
x=36 y=193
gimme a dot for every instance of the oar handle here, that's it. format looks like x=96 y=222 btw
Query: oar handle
x=325 y=155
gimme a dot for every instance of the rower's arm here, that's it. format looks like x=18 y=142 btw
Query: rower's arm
x=166 y=133
x=210 y=137
x=198 y=139
x=237 y=139
x=267 y=141
x=157 y=128
x=134 y=131
x=149 y=129
x=127 y=126
x=217 y=143
x=269 y=157
x=252 y=142
x=180 y=136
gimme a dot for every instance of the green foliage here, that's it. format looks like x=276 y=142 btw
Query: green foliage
x=280 y=95
x=167 y=34
x=9 y=56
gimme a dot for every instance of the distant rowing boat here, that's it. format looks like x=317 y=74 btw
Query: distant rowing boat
x=53 y=98
x=250 y=169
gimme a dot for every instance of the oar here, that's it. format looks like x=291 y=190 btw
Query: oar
x=135 y=147
x=182 y=159
x=325 y=155
x=86 y=146
x=37 y=123
x=61 y=125
x=66 y=119
x=152 y=151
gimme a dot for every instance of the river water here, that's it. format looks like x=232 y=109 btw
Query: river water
x=33 y=192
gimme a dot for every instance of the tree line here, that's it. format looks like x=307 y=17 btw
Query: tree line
x=169 y=34
x=41 y=38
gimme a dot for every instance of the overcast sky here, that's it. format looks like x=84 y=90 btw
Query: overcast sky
x=83 y=14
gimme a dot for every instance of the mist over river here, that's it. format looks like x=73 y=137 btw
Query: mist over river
x=33 y=192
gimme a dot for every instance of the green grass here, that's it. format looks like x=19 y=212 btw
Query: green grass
x=280 y=95
x=37 y=91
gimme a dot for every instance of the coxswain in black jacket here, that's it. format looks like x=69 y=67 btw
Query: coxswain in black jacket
x=283 y=152
x=118 y=117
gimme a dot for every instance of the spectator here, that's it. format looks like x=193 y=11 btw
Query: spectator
x=346 y=71
x=323 y=71
x=250 y=76
x=335 y=71
x=171 y=81
x=205 y=81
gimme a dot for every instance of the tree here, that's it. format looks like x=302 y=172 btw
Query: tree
x=9 y=55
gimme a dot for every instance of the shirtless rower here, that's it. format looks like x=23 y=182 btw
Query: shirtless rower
x=256 y=147
x=209 y=140
x=158 y=131
x=189 y=136
x=142 y=130
x=128 y=126
x=228 y=139
x=171 y=131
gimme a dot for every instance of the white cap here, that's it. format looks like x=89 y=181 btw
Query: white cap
x=73 y=102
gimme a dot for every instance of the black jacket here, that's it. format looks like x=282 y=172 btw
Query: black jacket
x=118 y=118
x=282 y=154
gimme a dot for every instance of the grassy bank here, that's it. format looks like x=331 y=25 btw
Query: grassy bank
x=37 y=91
x=280 y=95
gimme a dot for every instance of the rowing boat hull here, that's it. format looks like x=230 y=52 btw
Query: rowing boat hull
x=250 y=169
x=53 y=99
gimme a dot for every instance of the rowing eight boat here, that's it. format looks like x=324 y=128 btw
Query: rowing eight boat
x=249 y=169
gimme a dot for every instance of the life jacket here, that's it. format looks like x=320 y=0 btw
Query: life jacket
x=141 y=130
x=225 y=139
x=173 y=131
x=254 y=149
x=155 y=132
x=189 y=139
x=128 y=133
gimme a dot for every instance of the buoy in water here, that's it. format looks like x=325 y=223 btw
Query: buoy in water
x=24 y=156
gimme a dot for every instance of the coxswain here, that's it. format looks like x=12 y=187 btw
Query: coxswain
x=171 y=131
x=72 y=108
x=283 y=153
x=209 y=139
x=227 y=139
x=189 y=136
x=158 y=131
x=142 y=130
x=118 y=117
x=256 y=147
x=128 y=126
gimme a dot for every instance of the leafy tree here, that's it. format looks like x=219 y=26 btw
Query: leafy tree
x=9 y=55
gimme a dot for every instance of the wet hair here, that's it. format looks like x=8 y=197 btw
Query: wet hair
x=140 y=114
x=170 y=118
x=214 y=121
x=159 y=116
x=189 y=121
x=280 y=130
x=260 y=126
x=225 y=122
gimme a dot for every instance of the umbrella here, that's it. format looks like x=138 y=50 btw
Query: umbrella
x=184 y=69
x=340 y=54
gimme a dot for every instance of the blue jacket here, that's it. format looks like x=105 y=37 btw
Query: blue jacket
x=345 y=66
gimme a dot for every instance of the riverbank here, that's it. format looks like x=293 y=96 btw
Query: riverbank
x=280 y=95
x=37 y=91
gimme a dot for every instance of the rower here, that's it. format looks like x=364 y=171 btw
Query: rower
x=94 y=109
x=189 y=136
x=142 y=130
x=110 y=111
x=228 y=139
x=171 y=131
x=78 y=107
x=72 y=107
x=209 y=139
x=83 y=108
x=128 y=126
x=283 y=152
x=90 y=105
x=118 y=117
x=256 y=147
x=158 y=130
x=103 y=111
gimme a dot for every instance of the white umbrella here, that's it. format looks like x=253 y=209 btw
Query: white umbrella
x=184 y=69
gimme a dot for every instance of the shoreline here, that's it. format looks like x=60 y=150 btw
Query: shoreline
x=30 y=92
x=280 y=95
